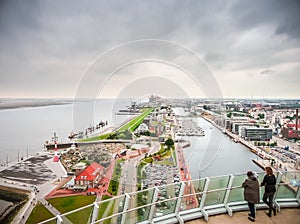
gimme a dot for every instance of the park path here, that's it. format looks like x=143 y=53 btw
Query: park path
x=54 y=211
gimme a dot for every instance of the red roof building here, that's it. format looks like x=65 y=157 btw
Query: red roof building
x=293 y=126
x=90 y=176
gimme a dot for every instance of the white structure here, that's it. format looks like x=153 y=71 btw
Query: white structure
x=142 y=128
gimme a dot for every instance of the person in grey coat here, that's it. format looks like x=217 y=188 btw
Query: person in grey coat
x=251 y=193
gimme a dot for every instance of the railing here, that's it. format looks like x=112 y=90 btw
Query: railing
x=183 y=201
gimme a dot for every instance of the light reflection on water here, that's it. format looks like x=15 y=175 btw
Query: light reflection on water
x=28 y=128
x=216 y=154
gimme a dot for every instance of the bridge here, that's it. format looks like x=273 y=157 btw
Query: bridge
x=184 y=201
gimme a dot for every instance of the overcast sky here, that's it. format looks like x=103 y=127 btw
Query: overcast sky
x=251 y=48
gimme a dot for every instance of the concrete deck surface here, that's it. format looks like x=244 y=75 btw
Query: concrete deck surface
x=286 y=216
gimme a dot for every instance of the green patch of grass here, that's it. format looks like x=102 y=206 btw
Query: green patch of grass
x=110 y=212
x=81 y=216
x=130 y=126
x=96 y=138
x=103 y=206
x=134 y=123
x=148 y=159
x=115 y=180
x=39 y=214
x=164 y=153
x=66 y=204
x=174 y=154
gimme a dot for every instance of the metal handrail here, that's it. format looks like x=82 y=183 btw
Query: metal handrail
x=175 y=198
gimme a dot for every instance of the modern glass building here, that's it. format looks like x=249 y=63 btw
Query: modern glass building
x=256 y=134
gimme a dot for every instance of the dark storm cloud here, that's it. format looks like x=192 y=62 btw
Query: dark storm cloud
x=284 y=15
x=55 y=41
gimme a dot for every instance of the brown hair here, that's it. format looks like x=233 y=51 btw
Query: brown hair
x=249 y=173
x=269 y=170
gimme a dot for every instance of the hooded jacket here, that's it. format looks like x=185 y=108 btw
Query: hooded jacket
x=251 y=192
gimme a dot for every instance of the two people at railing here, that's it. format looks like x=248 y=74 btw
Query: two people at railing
x=251 y=192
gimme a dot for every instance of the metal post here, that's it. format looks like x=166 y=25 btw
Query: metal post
x=227 y=194
x=154 y=199
x=207 y=181
x=59 y=220
x=278 y=180
x=298 y=195
x=178 y=203
x=126 y=204
x=95 y=212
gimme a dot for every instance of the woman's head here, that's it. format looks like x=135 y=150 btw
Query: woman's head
x=249 y=173
x=268 y=170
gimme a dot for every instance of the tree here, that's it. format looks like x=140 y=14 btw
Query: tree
x=229 y=115
x=112 y=136
x=261 y=116
x=169 y=142
x=205 y=107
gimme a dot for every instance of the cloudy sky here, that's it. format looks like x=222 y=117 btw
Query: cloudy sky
x=193 y=48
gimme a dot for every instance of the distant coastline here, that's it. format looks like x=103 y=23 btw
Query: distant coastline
x=6 y=104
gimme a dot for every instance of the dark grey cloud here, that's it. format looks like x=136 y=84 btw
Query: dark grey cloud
x=53 y=42
x=284 y=15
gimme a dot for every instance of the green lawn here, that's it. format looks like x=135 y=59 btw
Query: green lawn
x=174 y=156
x=110 y=212
x=134 y=123
x=39 y=214
x=115 y=179
x=131 y=126
x=66 y=204
x=103 y=206
x=164 y=153
x=96 y=138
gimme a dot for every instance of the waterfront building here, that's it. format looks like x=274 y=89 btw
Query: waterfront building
x=237 y=127
x=90 y=176
x=230 y=121
x=256 y=134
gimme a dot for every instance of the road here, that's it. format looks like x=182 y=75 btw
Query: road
x=129 y=183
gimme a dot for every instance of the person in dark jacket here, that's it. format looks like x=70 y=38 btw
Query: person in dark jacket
x=269 y=182
x=251 y=193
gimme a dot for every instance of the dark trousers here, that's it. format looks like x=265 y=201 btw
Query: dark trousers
x=268 y=199
x=251 y=209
